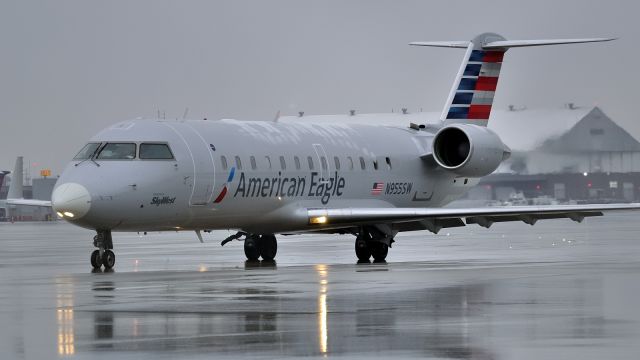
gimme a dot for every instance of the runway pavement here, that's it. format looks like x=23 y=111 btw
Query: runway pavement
x=556 y=290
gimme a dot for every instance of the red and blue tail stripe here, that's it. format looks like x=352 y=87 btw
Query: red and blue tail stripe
x=474 y=95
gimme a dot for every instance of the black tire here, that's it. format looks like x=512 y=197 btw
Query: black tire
x=251 y=250
x=268 y=247
x=362 y=249
x=96 y=261
x=379 y=251
x=108 y=259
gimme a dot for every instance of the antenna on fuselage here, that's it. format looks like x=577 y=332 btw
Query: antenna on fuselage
x=186 y=111
x=275 y=119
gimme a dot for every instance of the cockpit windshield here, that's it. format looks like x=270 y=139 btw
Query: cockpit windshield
x=118 y=151
x=153 y=151
x=87 y=151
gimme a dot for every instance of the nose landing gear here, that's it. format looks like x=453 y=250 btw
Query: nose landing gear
x=104 y=255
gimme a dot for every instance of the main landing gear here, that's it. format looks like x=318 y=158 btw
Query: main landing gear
x=104 y=255
x=256 y=246
x=265 y=246
x=374 y=241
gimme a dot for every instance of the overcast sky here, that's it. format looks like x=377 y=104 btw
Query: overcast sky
x=71 y=68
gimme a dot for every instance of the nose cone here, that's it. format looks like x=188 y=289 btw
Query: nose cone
x=71 y=200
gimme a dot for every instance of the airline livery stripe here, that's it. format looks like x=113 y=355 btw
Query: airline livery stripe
x=486 y=56
x=486 y=83
x=458 y=112
x=493 y=56
x=476 y=55
x=467 y=84
x=463 y=98
x=472 y=70
x=479 y=112
x=482 y=97
x=490 y=69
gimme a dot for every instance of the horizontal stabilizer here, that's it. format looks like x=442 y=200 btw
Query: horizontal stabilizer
x=445 y=44
x=506 y=44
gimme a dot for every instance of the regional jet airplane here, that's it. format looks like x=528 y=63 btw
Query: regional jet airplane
x=262 y=178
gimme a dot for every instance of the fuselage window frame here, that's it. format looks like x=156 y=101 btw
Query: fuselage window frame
x=296 y=160
x=336 y=160
x=310 y=161
x=252 y=160
x=323 y=163
x=363 y=164
x=350 y=162
x=268 y=160
x=238 y=162
x=283 y=163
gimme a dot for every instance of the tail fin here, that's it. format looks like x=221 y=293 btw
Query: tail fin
x=471 y=96
x=15 y=188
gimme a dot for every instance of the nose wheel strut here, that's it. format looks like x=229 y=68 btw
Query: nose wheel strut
x=104 y=255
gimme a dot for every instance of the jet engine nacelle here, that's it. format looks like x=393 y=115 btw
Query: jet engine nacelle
x=469 y=150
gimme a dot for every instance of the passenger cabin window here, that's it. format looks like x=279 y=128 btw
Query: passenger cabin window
x=87 y=151
x=297 y=161
x=323 y=161
x=388 y=163
x=238 y=163
x=118 y=151
x=155 y=151
x=283 y=164
x=363 y=165
x=337 y=161
x=252 y=159
x=350 y=162
x=310 y=160
x=375 y=164
x=223 y=160
x=268 y=160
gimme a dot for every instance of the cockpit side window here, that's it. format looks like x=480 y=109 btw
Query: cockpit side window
x=117 y=151
x=150 y=151
x=87 y=151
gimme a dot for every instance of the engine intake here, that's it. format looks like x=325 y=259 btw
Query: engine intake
x=469 y=150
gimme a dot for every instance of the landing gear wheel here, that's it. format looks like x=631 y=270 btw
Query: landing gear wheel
x=251 y=250
x=362 y=250
x=108 y=259
x=268 y=246
x=379 y=251
x=96 y=261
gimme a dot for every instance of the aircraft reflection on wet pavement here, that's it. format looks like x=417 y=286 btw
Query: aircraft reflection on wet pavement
x=192 y=313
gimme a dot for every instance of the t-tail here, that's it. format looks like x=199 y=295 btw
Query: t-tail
x=471 y=96
x=16 y=187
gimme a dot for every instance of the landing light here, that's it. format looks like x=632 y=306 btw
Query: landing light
x=60 y=214
x=318 y=220
x=68 y=214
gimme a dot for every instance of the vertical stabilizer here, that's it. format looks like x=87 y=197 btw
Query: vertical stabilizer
x=471 y=97
x=15 y=189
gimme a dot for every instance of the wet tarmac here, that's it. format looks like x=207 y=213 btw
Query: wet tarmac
x=557 y=290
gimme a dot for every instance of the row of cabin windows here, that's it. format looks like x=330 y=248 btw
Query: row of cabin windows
x=296 y=161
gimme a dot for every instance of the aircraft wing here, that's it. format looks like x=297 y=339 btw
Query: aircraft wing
x=28 y=202
x=434 y=219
